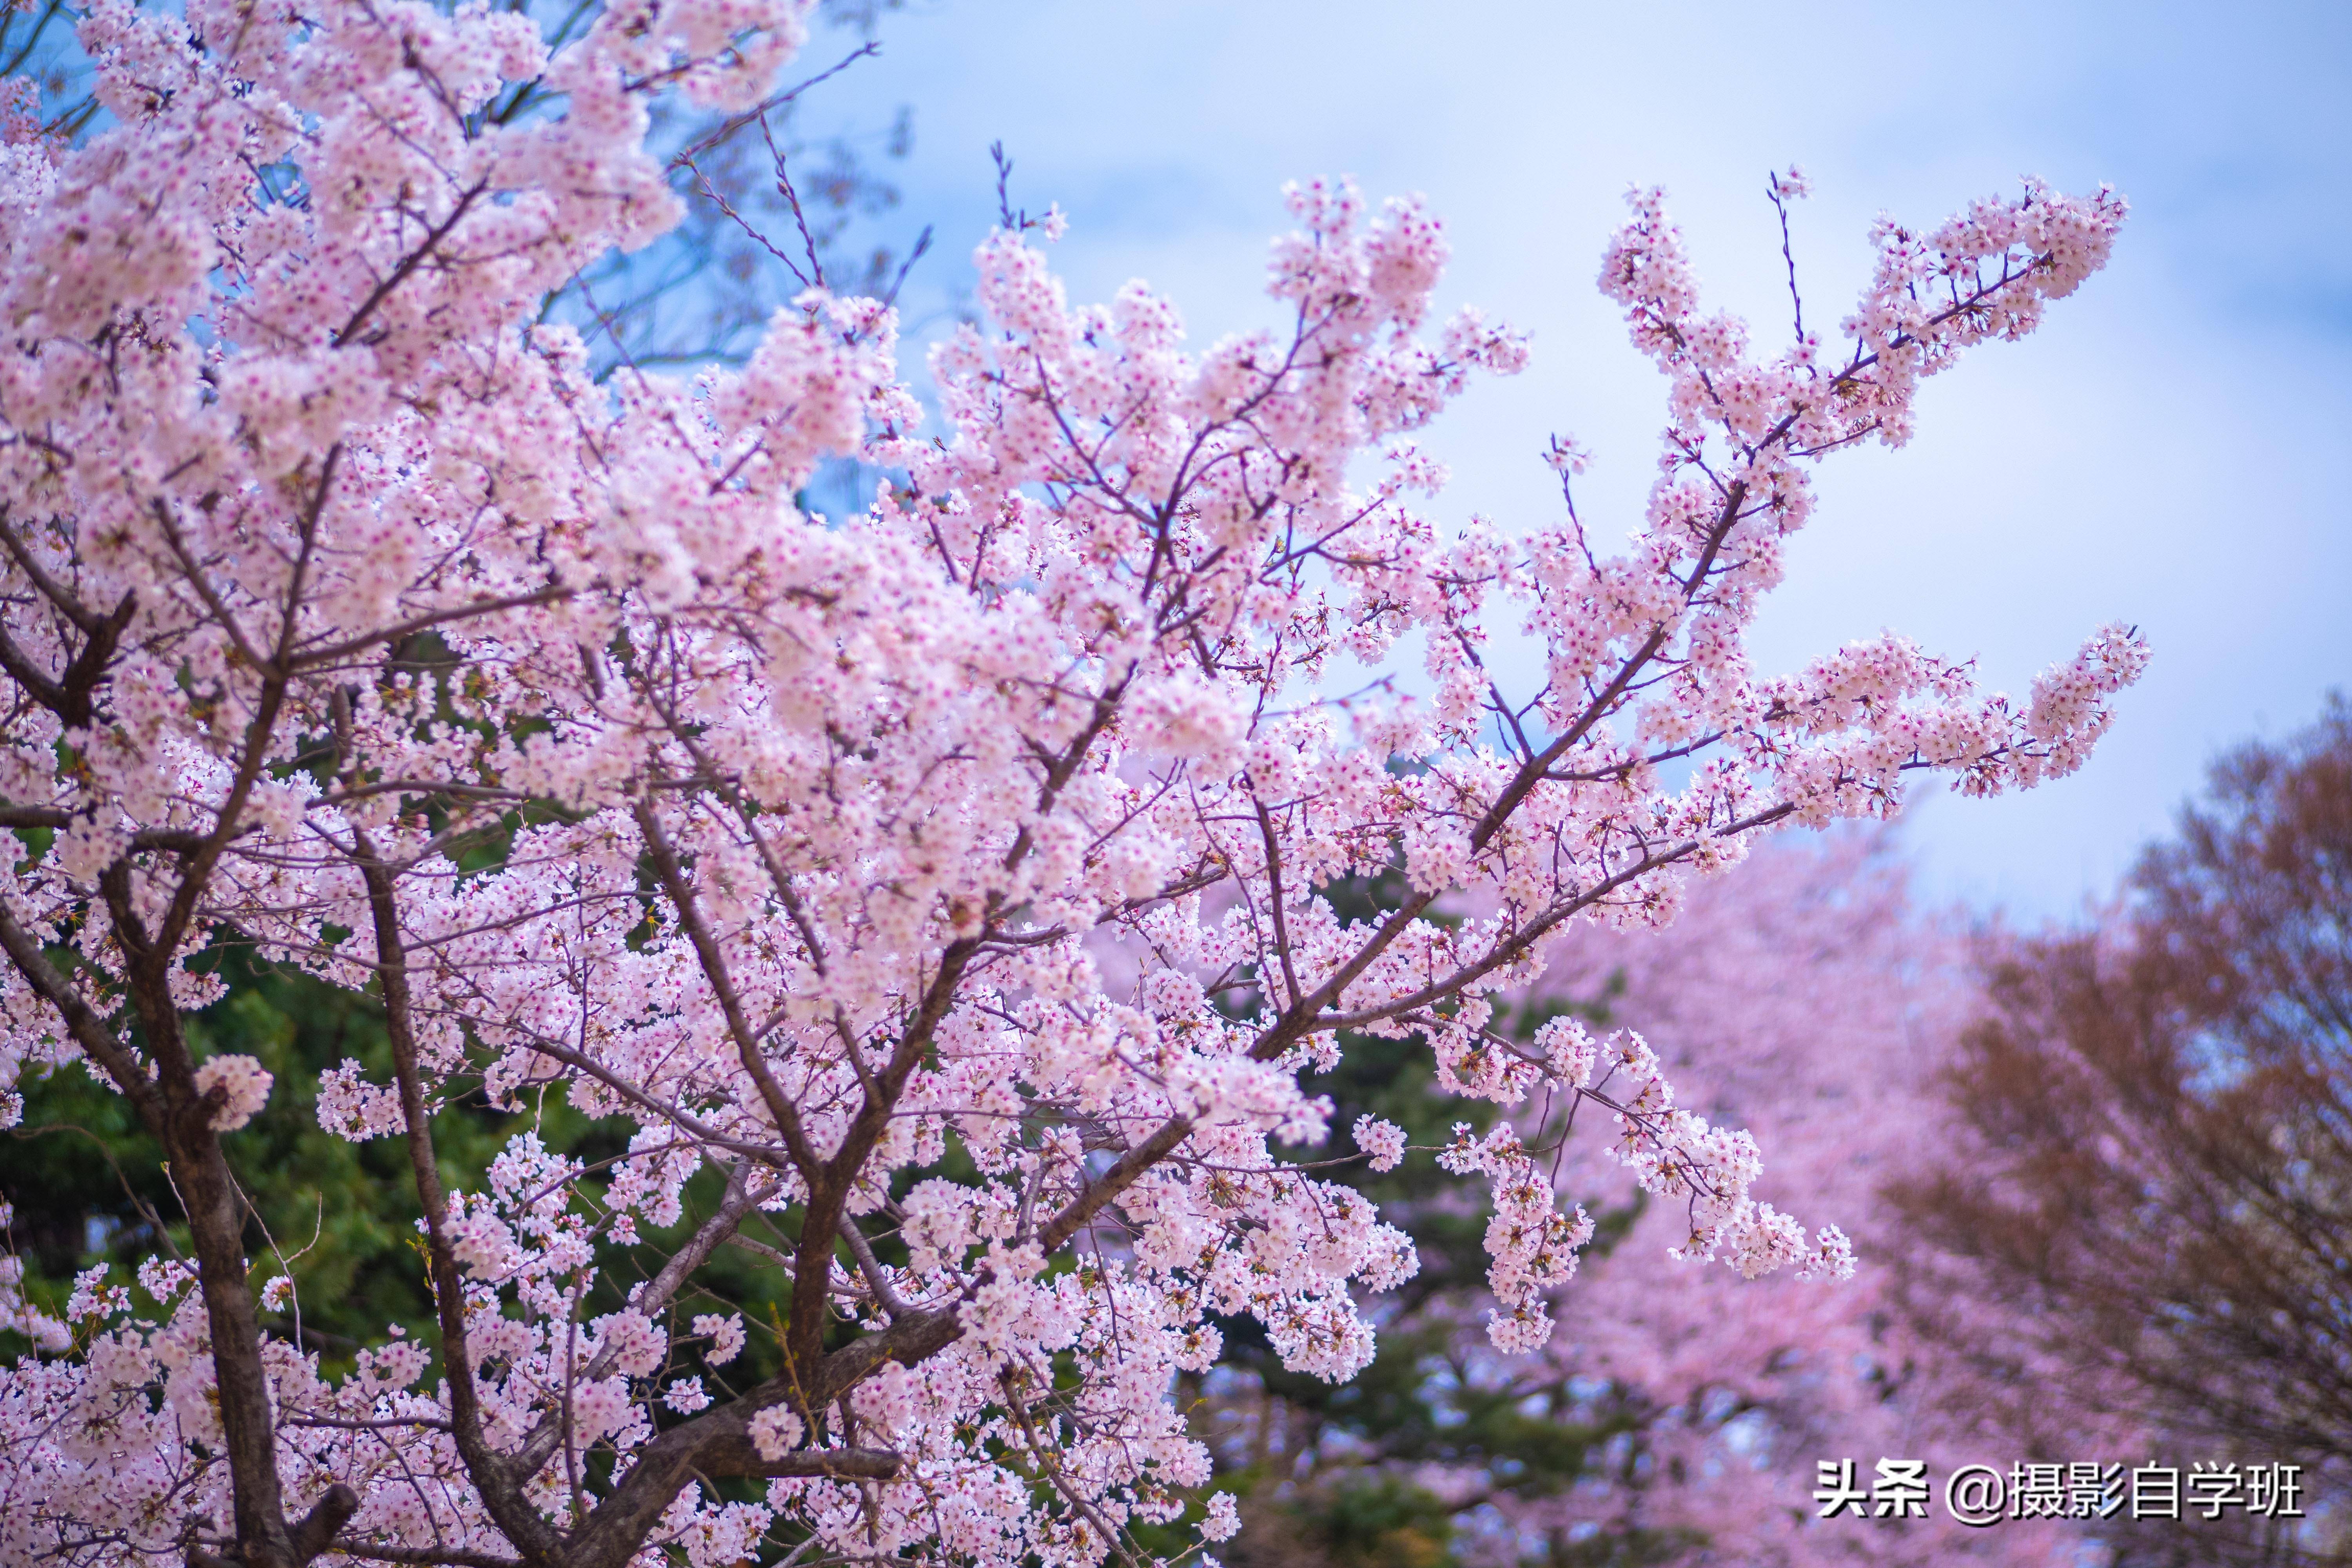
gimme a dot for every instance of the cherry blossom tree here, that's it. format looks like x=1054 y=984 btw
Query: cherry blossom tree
x=353 y=625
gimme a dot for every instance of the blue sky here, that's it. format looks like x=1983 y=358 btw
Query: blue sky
x=2171 y=450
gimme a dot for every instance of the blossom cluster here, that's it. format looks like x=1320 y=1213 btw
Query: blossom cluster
x=240 y=1085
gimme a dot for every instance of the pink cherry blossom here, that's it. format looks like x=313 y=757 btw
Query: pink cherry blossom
x=237 y=1084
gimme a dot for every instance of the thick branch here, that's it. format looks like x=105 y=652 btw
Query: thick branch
x=741 y=1458
x=492 y=1476
x=722 y=987
x=90 y=1031
x=71 y=696
x=310 y=659
x=215 y=1214
x=436 y=1556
